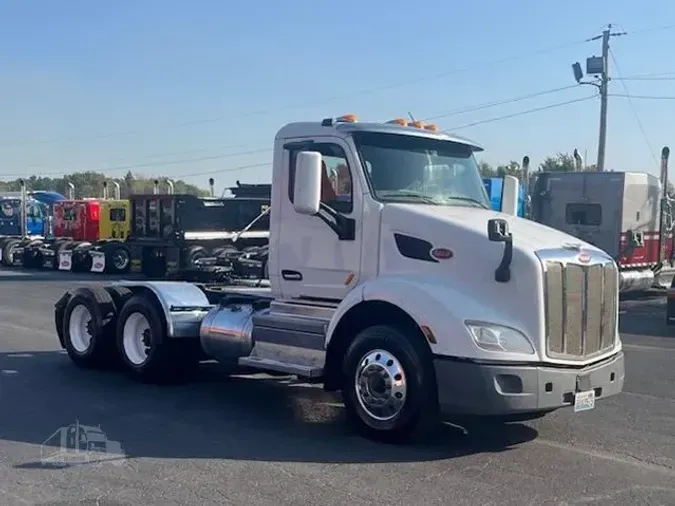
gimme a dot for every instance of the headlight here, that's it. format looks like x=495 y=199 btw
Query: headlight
x=499 y=338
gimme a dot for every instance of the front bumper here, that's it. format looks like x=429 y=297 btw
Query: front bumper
x=481 y=389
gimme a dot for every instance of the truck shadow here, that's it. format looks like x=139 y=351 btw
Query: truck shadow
x=214 y=417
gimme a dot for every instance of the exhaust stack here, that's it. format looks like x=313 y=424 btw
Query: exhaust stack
x=23 y=216
x=105 y=190
x=155 y=188
x=526 y=186
x=71 y=191
x=169 y=187
x=578 y=161
x=665 y=206
x=211 y=187
x=118 y=192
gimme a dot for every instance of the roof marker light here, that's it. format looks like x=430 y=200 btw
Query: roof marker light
x=431 y=127
x=348 y=118
x=416 y=124
x=398 y=121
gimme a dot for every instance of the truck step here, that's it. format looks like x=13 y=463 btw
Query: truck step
x=285 y=367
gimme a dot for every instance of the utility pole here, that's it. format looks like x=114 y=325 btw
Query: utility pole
x=604 y=82
x=599 y=67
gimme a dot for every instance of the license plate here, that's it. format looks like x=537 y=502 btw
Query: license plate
x=584 y=401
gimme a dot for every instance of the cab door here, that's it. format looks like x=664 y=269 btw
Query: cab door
x=312 y=261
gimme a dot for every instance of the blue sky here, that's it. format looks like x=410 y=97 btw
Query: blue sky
x=198 y=89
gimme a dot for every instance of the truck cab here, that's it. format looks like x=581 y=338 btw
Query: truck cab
x=89 y=235
x=393 y=281
x=13 y=235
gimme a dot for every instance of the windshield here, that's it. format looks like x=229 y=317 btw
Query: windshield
x=406 y=168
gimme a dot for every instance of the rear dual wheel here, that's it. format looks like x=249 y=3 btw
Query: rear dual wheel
x=101 y=327
x=148 y=355
x=87 y=322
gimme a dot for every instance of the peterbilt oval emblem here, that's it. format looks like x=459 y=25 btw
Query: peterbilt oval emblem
x=441 y=253
x=584 y=258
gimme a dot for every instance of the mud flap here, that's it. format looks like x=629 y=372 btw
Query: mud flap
x=65 y=260
x=17 y=256
x=97 y=261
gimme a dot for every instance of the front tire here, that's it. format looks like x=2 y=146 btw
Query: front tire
x=148 y=354
x=389 y=386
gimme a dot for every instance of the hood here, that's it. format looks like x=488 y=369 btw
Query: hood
x=527 y=234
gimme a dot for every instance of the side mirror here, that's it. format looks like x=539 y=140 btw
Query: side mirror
x=307 y=185
x=510 y=191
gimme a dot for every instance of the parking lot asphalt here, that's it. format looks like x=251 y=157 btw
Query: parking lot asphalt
x=268 y=441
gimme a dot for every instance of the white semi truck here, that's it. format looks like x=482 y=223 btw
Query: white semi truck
x=401 y=289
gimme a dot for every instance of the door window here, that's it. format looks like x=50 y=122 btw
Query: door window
x=336 y=177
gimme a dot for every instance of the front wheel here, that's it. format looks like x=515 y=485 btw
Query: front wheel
x=389 y=386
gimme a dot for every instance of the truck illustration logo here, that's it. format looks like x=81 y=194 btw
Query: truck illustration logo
x=80 y=444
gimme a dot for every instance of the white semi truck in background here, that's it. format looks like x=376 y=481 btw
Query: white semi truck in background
x=401 y=289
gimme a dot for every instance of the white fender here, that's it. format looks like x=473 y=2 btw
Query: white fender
x=433 y=303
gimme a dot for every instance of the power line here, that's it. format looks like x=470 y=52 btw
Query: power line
x=146 y=165
x=169 y=153
x=630 y=102
x=487 y=105
x=645 y=97
x=131 y=167
x=521 y=113
x=313 y=103
x=645 y=79
x=454 y=112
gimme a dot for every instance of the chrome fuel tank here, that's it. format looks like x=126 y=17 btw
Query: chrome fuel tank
x=226 y=331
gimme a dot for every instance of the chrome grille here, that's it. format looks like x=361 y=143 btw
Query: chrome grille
x=580 y=302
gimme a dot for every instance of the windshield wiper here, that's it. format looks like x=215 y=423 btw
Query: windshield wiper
x=408 y=195
x=467 y=199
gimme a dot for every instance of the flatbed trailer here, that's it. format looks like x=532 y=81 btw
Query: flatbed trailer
x=186 y=237
x=418 y=303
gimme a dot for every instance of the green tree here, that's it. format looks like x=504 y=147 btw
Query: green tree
x=562 y=162
x=486 y=170
x=510 y=169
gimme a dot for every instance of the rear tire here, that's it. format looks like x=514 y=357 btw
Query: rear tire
x=7 y=251
x=147 y=353
x=88 y=328
x=193 y=254
x=389 y=385
x=117 y=258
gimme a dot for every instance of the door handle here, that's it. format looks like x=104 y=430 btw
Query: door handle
x=291 y=275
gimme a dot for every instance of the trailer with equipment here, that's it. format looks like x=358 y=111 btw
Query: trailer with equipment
x=185 y=236
x=85 y=231
x=402 y=289
x=627 y=214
